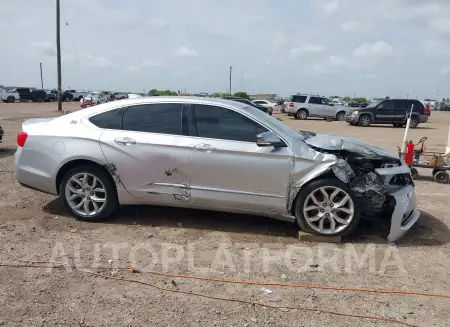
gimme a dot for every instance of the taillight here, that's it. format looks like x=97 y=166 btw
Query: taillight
x=427 y=111
x=291 y=104
x=21 y=139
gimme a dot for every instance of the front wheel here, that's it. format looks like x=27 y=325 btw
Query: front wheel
x=364 y=121
x=327 y=207
x=88 y=193
x=11 y=99
x=441 y=177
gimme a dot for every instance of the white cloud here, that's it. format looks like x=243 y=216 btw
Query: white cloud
x=330 y=7
x=445 y=70
x=375 y=51
x=305 y=50
x=441 y=25
x=150 y=63
x=89 y=60
x=408 y=10
x=44 y=48
x=332 y=65
x=184 y=51
x=349 y=25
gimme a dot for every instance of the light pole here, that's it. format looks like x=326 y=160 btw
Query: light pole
x=42 y=79
x=230 y=78
x=58 y=53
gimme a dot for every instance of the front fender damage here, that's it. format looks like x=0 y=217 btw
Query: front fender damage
x=375 y=177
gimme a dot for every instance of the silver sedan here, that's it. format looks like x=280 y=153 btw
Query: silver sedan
x=212 y=154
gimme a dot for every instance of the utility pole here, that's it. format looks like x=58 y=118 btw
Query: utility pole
x=42 y=79
x=230 y=78
x=58 y=53
x=242 y=80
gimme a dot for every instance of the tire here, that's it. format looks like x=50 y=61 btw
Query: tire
x=105 y=208
x=441 y=177
x=304 y=201
x=302 y=114
x=414 y=122
x=10 y=99
x=340 y=116
x=51 y=100
x=79 y=99
x=364 y=121
x=67 y=99
x=98 y=102
x=398 y=125
x=414 y=173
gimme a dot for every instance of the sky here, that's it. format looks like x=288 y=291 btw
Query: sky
x=328 y=47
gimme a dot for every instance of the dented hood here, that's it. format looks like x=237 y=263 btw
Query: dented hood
x=336 y=143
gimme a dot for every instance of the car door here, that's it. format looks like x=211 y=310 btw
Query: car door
x=400 y=111
x=315 y=107
x=384 y=112
x=328 y=108
x=228 y=169
x=149 y=152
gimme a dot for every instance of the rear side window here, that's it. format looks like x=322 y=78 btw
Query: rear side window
x=400 y=104
x=298 y=98
x=110 y=119
x=162 y=118
x=315 y=100
x=418 y=106
x=386 y=105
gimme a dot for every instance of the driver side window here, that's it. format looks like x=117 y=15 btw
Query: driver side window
x=386 y=105
x=225 y=124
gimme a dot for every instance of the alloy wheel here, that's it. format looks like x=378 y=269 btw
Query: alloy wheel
x=85 y=194
x=328 y=210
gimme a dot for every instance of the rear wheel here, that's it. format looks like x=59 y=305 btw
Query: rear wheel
x=340 y=115
x=10 y=99
x=364 y=121
x=327 y=207
x=88 y=193
x=302 y=114
x=441 y=177
x=414 y=122
x=414 y=173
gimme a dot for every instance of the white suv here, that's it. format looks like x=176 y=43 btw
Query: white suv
x=304 y=106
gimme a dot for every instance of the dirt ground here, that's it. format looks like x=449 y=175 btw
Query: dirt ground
x=35 y=229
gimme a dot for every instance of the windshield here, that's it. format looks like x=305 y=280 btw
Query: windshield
x=374 y=103
x=91 y=95
x=277 y=126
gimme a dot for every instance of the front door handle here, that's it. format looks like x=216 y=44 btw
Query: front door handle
x=125 y=141
x=204 y=147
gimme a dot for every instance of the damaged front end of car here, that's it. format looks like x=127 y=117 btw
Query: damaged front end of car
x=379 y=179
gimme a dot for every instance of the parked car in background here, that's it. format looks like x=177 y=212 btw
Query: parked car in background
x=304 y=106
x=358 y=104
x=266 y=104
x=1 y=134
x=27 y=94
x=250 y=103
x=119 y=96
x=153 y=151
x=76 y=95
x=392 y=111
x=95 y=98
x=52 y=96
x=9 y=96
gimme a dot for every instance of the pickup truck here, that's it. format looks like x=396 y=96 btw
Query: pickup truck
x=8 y=96
x=76 y=95
x=52 y=96
x=27 y=94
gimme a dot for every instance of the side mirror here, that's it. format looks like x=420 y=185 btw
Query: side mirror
x=269 y=139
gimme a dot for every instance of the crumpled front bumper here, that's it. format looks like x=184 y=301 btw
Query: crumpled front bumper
x=405 y=214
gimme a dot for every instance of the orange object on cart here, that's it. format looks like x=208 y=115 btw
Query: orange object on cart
x=409 y=157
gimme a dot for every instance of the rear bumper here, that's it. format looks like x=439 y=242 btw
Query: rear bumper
x=31 y=176
x=423 y=118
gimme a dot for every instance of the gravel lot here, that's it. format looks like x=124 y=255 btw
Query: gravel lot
x=35 y=227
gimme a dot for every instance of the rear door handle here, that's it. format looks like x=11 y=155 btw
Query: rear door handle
x=204 y=147
x=125 y=141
